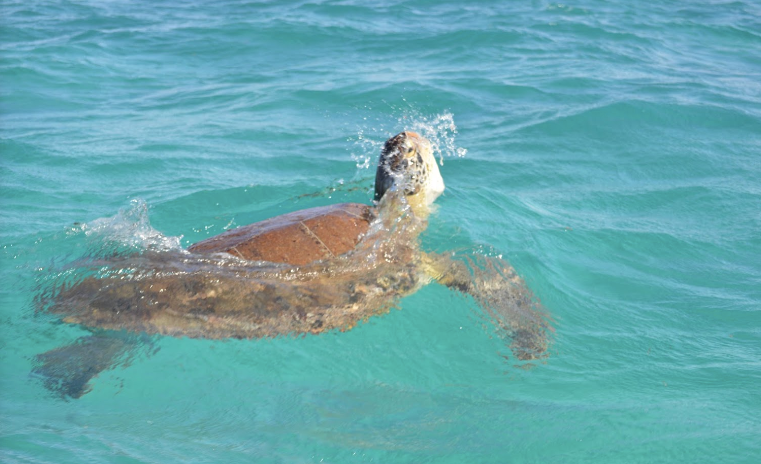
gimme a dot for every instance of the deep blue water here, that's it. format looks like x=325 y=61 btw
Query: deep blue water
x=611 y=151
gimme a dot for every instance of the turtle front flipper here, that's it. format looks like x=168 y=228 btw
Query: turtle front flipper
x=67 y=371
x=503 y=296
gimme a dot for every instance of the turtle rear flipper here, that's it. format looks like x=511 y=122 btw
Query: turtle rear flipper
x=67 y=371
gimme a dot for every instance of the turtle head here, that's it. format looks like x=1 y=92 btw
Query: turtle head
x=407 y=162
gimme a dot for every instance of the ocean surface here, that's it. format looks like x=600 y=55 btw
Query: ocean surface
x=610 y=151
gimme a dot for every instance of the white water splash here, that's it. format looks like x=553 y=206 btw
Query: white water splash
x=439 y=129
x=131 y=228
x=364 y=146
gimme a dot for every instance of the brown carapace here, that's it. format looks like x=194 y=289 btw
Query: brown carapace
x=296 y=238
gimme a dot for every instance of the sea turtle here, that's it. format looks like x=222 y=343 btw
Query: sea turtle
x=304 y=272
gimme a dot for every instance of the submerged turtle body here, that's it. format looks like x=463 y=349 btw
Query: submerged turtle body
x=215 y=301
x=296 y=238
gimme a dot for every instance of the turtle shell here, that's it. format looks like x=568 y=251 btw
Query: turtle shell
x=295 y=238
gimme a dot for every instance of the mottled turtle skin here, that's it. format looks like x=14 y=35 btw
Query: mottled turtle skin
x=304 y=272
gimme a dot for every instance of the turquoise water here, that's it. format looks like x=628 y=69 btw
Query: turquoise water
x=609 y=150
